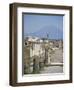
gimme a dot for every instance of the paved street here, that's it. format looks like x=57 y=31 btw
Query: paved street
x=56 y=57
x=52 y=69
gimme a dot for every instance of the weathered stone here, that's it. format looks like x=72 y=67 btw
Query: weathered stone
x=35 y=65
x=46 y=57
x=26 y=69
x=41 y=65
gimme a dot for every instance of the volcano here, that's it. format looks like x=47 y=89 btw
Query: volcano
x=51 y=32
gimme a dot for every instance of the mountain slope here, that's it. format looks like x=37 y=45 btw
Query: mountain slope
x=51 y=31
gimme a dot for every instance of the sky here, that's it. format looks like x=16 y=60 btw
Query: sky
x=41 y=25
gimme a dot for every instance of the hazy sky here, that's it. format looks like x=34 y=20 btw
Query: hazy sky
x=34 y=24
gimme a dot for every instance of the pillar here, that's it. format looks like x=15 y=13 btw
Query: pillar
x=35 y=65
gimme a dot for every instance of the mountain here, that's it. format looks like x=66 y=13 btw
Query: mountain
x=51 y=32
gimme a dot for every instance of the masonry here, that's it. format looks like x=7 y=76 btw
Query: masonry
x=38 y=54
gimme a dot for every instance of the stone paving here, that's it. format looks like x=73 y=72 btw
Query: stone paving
x=56 y=57
x=52 y=69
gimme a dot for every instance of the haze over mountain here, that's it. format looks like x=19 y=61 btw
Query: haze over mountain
x=51 y=31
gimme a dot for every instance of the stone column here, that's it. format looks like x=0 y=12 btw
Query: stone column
x=27 y=69
x=35 y=65
x=46 y=57
x=27 y=60
x=41 y=65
